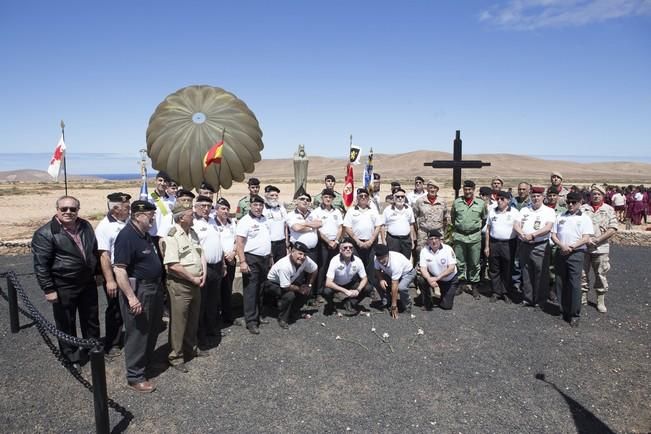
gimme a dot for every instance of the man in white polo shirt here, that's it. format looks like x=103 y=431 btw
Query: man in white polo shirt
x=346 y=280
x=571 y=233
x=394 y=273
x=329 y=233
x=399 y=225
x=500 y=246
x=276 y=215
x=290 y=280
x=438 y=269
x=303 y=226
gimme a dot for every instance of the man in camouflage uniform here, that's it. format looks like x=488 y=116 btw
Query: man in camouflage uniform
x=604 y=220
x=556 y=180
x=430 y=212
x=244 y=205
x=337 y=201
x=467 y=215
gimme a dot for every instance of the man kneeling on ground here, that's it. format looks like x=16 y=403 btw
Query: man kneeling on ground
x=396 y=273
x=438 y=268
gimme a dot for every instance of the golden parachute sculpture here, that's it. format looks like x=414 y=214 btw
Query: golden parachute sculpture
x=189 y=122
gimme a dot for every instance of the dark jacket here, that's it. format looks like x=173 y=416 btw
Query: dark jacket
x=58 y=263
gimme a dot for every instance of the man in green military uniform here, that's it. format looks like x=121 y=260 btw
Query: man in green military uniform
x=467 y=215
x=552 y=202
x=337 y=202
x=244 y=205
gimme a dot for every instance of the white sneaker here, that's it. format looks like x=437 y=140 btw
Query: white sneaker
x=584 y=298
x=601 y=305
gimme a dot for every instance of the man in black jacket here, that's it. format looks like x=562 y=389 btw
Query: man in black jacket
x=65 y=263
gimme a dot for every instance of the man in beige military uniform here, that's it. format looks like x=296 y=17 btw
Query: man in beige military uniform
x=604 y=221
x=186 y=274
x=431 y=212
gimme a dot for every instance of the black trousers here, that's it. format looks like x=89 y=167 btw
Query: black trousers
x=448 y=292
x=226 y=294
x=500 y=265
x=289 y=302
x=278 y=250
x=568 y=283
x=335 y=296
x=82 y=299
x=368 y=257
x=252 y=283
x=112 y=322
x=400 y=244
x=325 y=256
x=209 y=310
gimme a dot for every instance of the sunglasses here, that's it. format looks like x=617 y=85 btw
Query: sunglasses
x=68 y=209
x=362 y=195
x=399 y=197
x=346 y=247
x=502 y=198
x=304 y=198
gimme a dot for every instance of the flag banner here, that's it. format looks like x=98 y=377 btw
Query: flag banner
x=368 y=170
x=55 y=162
x=349 y=187
x=355 y=154
x=214 y=155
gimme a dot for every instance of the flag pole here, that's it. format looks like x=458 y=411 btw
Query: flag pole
x=65 y=172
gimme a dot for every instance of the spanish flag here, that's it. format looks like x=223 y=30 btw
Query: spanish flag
x=214 y=154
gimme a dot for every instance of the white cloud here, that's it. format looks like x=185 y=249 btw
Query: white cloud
x=534 y=14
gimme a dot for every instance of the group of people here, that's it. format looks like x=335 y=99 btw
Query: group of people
x=178 y=251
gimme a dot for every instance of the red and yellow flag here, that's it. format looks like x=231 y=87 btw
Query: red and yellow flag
x=349 y=186
x=214 y=155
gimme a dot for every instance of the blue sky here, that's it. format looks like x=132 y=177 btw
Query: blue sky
x=538 y=77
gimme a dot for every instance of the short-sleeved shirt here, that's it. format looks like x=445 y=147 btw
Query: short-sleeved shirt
x=183 y=248
x=534 y=219
x=500 y=223
x=397 y=266
x=284 y=272
x=106 y=232
x=337 y=202
x=412 y=196
x=209 y=238
x=398 y=221
x=243 y=207
x=256 y=232
x=343 y=273
x=438 y=261
x=332 y=221
x=570 y=228
x=227 y=233
x=310 y=237
x=603 y=218
x=163 y=209
x=137 y=252
x=276 y=217
x=362 y=222
x=618 y=199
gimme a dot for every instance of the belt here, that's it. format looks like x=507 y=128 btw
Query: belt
x=148 y=281
x=474 y=231
x=215 y=265
x=399 y=237
x=536 y=243
x=502 y=241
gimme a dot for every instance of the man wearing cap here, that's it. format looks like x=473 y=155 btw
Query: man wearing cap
x=186 y=275
x=290 y=281
x=244 y=204
x=430 y=212
x=138 y=273
x=362 y=224
x=166 y=223
x=253 y=243
x=571 y=232
x=207 y=190
x=374 y=193
x=304 y=227
x=438 y=269
x=597 y=257
x=394 y=274
x=399 y=225
x=276 y=215
x=329 y=233
x=500 y=246
x=467 y=215
x=227 y=232
x=418 y=191
x=533 y=248
x=552 y=202
x=65 y=264
x=106 y=232
x=557 y=181
x=337 y=202
x=346 y=280
x=171 y=190
x=209 y=236
x=486 y=194
x=161 y=200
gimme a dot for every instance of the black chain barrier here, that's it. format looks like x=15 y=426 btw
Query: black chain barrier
x=45 y=328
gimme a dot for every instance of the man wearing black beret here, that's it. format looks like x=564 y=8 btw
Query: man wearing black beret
x=244 y=203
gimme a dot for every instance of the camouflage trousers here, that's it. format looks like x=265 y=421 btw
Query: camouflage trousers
x=599 y=263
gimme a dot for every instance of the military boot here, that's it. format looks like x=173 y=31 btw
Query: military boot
x=601 y=305
x=584 y=298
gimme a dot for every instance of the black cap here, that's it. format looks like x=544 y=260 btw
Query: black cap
x=397 y=189
x=142 y=206
x=185 y=193
x=305 y=194
x=300 y=246
x=381 y=250
x=395 y=184
x=362 y=190
x=434 y=233
x=504 y=194
x=483 y=191
x=119 y=197
x=223 y=202
x=203 y=199
x=376 y=175
x=419 y=178
x=253 y=181
x=469 y=183
x=270 y=188
x=330 y=177
x=164 y=175
x=257 y=199
x=347 y=240
x=328 y=192
x=572 y=195
x=206 y=186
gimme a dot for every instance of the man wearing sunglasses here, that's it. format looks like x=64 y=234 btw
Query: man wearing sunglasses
x=346 y=280
x=65 y=263
x=399 y=225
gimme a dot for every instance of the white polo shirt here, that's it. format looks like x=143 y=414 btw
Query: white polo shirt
x=276 y=217
x=209 y=238
x=342 y=273
x=396 y=267
x=570 y=228
x=332 y=221
x=309 y=238
x=284 y=273
x=256 y=232
x=362 y=222
x=160 y=214
x=532 y=220
x=398 y=221
x=227 y=235
x=500 y=223
x=106 y=232
x=412 y=196
x=437 y=262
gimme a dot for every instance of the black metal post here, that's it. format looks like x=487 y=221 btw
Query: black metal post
x=456 y=156
x=100 y=396
x=14 y=321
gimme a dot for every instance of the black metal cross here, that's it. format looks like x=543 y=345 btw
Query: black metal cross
x=456 y=164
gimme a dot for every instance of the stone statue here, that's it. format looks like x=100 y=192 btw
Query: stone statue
x=300 y=171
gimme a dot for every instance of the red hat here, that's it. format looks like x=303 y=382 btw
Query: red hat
x=539 y=190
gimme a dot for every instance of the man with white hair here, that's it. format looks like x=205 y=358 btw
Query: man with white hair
x=276 y=215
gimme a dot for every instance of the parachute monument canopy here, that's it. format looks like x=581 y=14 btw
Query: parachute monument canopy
x=189 y=122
